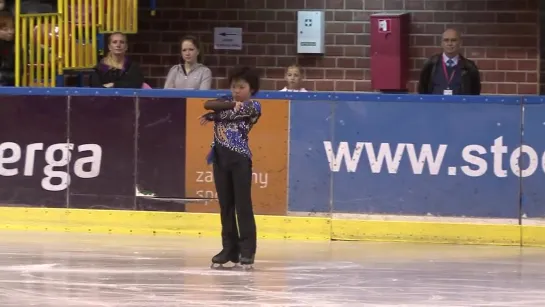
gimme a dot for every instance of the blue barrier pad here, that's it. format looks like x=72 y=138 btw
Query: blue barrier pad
x=459 y=176
x=452 y=187
x=533 y=159
x=307 y=96
x=309 y=177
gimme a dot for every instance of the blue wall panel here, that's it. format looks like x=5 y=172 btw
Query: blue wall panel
x=533 y=161
x=448 y=189
x=464 y=183
x=311 y=123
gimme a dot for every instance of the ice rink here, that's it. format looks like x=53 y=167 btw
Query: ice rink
x=44 y=269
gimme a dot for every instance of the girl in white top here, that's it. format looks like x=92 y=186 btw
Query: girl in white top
x=189 y=74
x=293 y=79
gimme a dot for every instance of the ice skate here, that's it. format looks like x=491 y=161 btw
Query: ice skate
x=247 y=262
x=223 y=257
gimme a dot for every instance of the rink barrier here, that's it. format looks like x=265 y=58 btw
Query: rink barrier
x=155 y=223
x=127 y=138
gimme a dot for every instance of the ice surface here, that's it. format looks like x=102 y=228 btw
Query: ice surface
x=42 y=269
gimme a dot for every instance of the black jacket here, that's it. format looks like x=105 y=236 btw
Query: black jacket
x=471 y=80
x=129 y=77
x=7 y=63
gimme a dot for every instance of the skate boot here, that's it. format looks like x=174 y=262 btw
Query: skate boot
x=247 y=261
x=223 y=257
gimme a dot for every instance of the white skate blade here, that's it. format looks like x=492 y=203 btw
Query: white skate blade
x=247 y=267
x=226 y=266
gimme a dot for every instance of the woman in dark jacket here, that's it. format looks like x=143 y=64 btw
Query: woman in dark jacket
x=116 y=70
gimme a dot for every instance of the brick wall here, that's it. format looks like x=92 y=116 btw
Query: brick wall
x=501 y=36
x=542 y=47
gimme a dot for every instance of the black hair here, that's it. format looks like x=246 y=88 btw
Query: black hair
x=245 y=73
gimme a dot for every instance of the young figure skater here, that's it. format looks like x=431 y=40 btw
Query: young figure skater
x=231 y=159
x=293 y=79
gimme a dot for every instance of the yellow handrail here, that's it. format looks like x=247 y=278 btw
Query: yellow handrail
x=38 y=44
x=51 y=43
x=118 y=16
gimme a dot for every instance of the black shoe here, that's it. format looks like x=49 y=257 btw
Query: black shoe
x=225 y=256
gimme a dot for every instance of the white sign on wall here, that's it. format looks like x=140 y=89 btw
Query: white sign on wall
x=228 y=38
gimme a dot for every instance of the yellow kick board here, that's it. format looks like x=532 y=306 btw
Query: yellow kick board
x=272 y=227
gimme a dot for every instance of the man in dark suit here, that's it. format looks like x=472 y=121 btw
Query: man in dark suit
x=449 y=73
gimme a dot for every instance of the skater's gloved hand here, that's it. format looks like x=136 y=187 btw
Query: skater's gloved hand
x=205 y=118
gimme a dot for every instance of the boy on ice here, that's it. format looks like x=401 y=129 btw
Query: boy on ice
x=231 y=159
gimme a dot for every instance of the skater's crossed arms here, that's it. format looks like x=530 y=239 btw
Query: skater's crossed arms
x=244 y=83
x=240 y=111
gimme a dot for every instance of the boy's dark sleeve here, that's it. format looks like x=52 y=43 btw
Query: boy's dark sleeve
x=250 y=109
x=133 y=78
x=219 y=104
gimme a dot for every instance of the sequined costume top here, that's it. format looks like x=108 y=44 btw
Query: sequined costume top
x=231 y=128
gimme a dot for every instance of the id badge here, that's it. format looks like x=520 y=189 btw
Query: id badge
x=447 y=92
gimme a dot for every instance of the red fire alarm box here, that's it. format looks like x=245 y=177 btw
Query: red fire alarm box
x=390 y=51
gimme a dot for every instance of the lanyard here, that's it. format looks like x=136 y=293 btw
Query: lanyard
x=446 y=73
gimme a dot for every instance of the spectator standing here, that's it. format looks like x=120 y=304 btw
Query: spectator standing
x=449 y=73
x=190 y=74
x=116 y=70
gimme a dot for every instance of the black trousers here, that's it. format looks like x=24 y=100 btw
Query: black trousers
x=233 y=180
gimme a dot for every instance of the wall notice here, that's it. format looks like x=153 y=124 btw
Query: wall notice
x=228 y=38
x=269 y=142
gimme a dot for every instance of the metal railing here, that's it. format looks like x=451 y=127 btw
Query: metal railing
x=118 y=16
x=51 y=43
x=39 y=41
x=80 y=29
